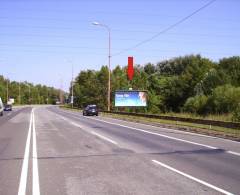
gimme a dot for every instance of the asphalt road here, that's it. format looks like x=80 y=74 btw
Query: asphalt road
x=46 y=150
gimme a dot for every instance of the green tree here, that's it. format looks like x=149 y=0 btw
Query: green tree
x=230 y=69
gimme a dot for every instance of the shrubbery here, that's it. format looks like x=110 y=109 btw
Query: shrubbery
x=224 y=99
x=196 y=104
x=236 y=114
x=189 y=83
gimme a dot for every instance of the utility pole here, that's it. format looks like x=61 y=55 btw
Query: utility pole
x=47 y=96
x=19 y=93
x=61 y=98
x=7 y=91
x=109 y=63
x=72 y=87
x=29 y=93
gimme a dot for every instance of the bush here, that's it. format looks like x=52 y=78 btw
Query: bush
x=236 y=114
x=225 y=99
x=196 y=104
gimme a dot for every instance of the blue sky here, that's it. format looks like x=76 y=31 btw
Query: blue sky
x=41 y=40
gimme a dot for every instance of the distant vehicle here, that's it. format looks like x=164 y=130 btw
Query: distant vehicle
x=1 y=107
x=11 y=101
x=8 y=107
x=90 y=110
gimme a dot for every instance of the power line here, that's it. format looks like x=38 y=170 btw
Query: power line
x=111 y=13
x=51 y=52
x=127 y=39
x=166 y=29
x=69 y=28
x=47 y=46
x=131 y=23
x=171 y=41
x=142 y=52
x=74 y=29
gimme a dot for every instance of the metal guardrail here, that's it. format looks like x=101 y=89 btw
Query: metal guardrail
x=232 y=125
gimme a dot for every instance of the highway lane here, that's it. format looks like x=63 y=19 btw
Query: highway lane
x=13 y=131
x=73 y=160
x=7 y=115
x=72 y=154
x=227 y=145
x=215 y=166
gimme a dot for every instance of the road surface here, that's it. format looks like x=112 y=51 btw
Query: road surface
x=47 y=150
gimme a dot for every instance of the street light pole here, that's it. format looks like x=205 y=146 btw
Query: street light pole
x=109 y=61
x=29 y=92
x=7 y=90
x=72 y=88
x=109 y=68
x=19 y=93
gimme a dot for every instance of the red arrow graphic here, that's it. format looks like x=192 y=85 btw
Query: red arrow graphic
x=130 y=70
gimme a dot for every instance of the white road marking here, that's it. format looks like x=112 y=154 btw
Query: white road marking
x=175 y=130
x=182 y=132
x=35 y=182
x=24 y=173
x=193 y=178
x=105 y=138
x=174 y=138
x=92 y=132
x=71 y=122
x=158 y=134
x=75 y=124
x=234 y=153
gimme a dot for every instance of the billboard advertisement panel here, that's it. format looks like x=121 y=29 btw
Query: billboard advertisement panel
x=130 y=98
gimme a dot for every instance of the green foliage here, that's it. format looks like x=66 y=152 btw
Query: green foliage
x=210 y=80
x=196 y=104
x=155 y=103
x=86 y=88
x=26 y=93
x=190 y=83
x=236 y=114
x=225 y=98
x=150 y=68
x=230 y=69
x=182 y=76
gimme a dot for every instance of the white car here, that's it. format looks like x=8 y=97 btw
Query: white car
x=1 y=107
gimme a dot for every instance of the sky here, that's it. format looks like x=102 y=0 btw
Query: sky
x=40 y=41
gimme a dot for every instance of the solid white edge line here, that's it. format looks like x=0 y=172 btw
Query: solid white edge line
x=24 y=172
x=234 y=153
x=193 y=178
x=178 y=139
x=105 y=138
x=168 y=129
x=164 y=128
x=35 y=182
x=158 y=134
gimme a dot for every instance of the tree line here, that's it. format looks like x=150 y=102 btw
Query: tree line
x=189 y=83
x=27 y=93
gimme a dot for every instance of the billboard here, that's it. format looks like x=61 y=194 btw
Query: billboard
x=130 y=98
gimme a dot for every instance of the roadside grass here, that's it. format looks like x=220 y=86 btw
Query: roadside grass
x=216 y=117
x=228 y=133
x=233 y=134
